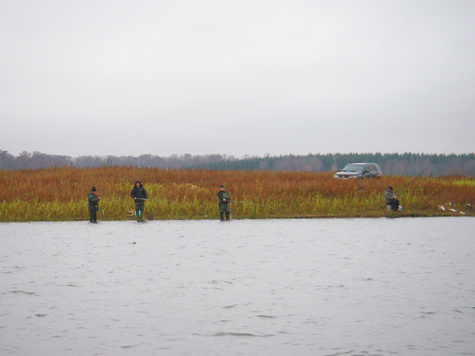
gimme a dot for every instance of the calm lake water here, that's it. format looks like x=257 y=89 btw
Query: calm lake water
x=245 y=287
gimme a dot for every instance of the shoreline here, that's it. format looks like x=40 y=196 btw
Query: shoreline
x=389 y=215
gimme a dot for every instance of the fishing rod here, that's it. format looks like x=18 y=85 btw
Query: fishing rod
x=404 y=191
x=162 y=200
x=168 y=201
x=243 y=202
x=179 y=202
x=418 y=176
x=425 y=169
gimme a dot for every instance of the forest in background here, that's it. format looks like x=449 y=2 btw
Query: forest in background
x=406 y=164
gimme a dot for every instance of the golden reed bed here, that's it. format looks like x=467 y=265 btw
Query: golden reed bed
x=59 y=194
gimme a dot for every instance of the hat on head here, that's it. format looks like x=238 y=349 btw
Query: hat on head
x=221 y=186
x=390 y=188
x=93 y=189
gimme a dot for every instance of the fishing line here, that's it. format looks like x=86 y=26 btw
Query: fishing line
x=429 y=165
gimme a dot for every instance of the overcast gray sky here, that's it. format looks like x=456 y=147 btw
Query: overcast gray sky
x=237 y=77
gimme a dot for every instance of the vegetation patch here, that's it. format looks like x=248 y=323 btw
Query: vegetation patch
x=59 y=194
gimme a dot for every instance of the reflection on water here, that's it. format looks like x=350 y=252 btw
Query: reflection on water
x=272 y=287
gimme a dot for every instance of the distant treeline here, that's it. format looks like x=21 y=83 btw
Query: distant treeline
x=408 y=164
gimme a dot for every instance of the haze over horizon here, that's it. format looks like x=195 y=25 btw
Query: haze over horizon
x=225 y=155
x=237 y=78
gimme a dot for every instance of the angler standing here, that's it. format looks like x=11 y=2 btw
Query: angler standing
x=224 y=201
x=93 y=205
x=139 y=195
x=391 y=199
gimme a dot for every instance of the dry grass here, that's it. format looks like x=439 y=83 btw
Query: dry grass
x=60 y=194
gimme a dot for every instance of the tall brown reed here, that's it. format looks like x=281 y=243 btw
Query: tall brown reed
x=60 y=194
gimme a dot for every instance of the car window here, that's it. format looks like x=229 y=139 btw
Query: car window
x=353 y=168
x=373 y=168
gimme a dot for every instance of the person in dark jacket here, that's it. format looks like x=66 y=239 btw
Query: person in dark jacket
x=93 y=205
x=391 y=199
x=139 y=195
x=224 y=201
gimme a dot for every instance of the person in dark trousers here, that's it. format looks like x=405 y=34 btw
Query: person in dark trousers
x=391 y=199
x=224 y=201
x=139 y=195
x=93 y=205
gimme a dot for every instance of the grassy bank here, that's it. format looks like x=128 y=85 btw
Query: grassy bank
x=59 y=194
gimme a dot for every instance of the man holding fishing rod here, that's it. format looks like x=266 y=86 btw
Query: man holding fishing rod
x=139 y=195
x=224 y=201
x=93 y=205
x=391 y=199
